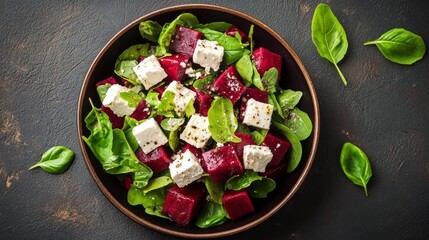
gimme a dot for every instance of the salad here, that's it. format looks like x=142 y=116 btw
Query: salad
x=194 y=123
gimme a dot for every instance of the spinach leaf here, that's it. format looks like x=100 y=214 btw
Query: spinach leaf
x=167 y=107
x=329 y=36
x=288 y=99
x=355 y=165
x=269 y=80
x=259 y=135
x=173 y=140
x=102 y=90
x=190 y=109
x=131 y=97
x=152 y=98
x=172 y=124
x=215 y=190
x=128 y=60
x=222 y=121
x=217 y=26
x=300 y=123
x=184 y=19
x=204 y=83
x=296 y=149
x=245 y=69
x=257 y=185
x=152 y=201
x=400 y=46
x=150 y=30
x=272 y=99
x=256 y=79
x=56 y=160
x=212 y=214
x=250 y=36
x=157 y=183
x=242 y=128
x=129 y=124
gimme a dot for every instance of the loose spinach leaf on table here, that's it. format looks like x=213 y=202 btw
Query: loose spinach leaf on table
x=56 y=160
x=222 y=121
x=329 y=36
x=355 y=165
x=400 y=46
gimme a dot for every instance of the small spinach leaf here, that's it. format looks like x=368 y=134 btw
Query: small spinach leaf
x=400 y=46
x=204 y=83
x=131 y=97
x=172 y=124
x=288 y=99
x=152 y=98
x=217 y=26
x=168 y=30
x=150 y=30
x=56 y=160
x=329 y=36
x=167 y=107
x=245 y=69
x=128 y=60
x=296 y=149
x=257 y=185
x=215 y=190
x=269 y=80
x=152 y=201
x=300 y=123
x=102 y=90
x=222 y=122
x=355 y=165
x=157 y=183
x=259 y=135
x=173 y=140
x=212 y=214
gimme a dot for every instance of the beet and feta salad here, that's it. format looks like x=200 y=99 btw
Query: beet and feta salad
x=195 y=124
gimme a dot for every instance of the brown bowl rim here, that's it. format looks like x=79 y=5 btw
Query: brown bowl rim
x=306 y=167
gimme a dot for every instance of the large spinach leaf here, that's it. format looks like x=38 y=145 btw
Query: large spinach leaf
x=222 y=121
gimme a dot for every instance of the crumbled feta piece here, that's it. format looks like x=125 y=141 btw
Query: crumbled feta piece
x=149 y=72
x=192 y=73
x=185 y=169
x=258 y=114
x=196 y=131
x=149 y=135
x=208 y=54
x=113 y=100
x=182 y=96
x=256 y=157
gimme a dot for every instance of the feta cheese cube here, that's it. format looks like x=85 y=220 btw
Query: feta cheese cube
x=113 y=100
x=208 y=54
x=196 y=131
x=258 y=114
x=185 y=169
x=149 y=135
x=149 y=72
x=182 y=96
x=256 y=157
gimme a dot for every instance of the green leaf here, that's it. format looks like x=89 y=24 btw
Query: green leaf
x=128 y=60
x=172 y=124
x=355 y=165
x=250 y=36
x=212 y=214
x=217 y=26
x=167 y=107
x=257 y=185
x=272 y=99
x=269 y=80
x=245 y=69
x=204 y=83
x=296 y=149
x=222 y=121
x=190 y=109
x=129 y=124
x=300 y=123
x=150 y=30
x=102 y=90
x=173 y=140
x=56 y=160
x=131 y=97
x=242 y=128
x=157 y=183
x=152 y=98
x=184 y=19
x=259 y=135
x=288 y=99
x=260 y=189
x=257 y=78
x=152 y=201
x=400 y=46
x=329 y=37
x=215 y=190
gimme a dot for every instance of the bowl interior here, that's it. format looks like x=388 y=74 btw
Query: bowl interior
x=294 y=76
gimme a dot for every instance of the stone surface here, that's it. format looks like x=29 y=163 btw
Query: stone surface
x=47 y=47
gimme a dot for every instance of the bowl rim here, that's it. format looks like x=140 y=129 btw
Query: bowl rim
x=296 y=185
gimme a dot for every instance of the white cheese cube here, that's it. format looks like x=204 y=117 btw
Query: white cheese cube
x=113 y=100
x=185 y=169
x=182 y=96
x=196 y=131
x=149 y=72
x=149 y=135
x=208 y=54
x=258 y=114
x=256 y=157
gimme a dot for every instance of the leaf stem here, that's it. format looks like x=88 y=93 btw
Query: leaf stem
x=341 y=74
x=364 y=187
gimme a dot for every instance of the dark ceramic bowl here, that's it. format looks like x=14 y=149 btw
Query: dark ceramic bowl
x=294 y=76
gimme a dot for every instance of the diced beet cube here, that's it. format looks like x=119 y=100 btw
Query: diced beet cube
x=160 y=90
x=264 y=60
x=237 y=204
x=126 y=83
x=203 y=103
x=117 y=122
x=222 y=163
x=142 y=111
x=110 y=80
x=233 y=29
x=277 y=146
x=174 y=66
x=127 y=182
x=254 y=93
x=228 y=85
x=182 y=204
x=275 y=171
x=158 y=160
x=197 y=152
x=184 y=40
x=159 y=119
x=246 y=139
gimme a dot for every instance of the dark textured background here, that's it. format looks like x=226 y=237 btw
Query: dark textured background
x=46 y=47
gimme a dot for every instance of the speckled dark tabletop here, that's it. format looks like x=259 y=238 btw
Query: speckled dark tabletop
x=46 y=47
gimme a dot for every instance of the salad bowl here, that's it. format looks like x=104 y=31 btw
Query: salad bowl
x=293 y=76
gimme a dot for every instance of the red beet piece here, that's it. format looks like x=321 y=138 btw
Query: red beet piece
x=185 y=40
x=142 y=111
x=160 y=90
x=277 y=146
x=246 y=139
x=254 y=93
x=127 y=182
x=182 y=204
x=126 y=83
x=233 y=29
x=174 y=66
x=140 y=59
x=203 y=103
x=275 y=171
x=117 y=122
x=158 y=160
x=222 y=163
x=110 y=80
x=228 y=85
x=237 y=204
x=264 y=60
